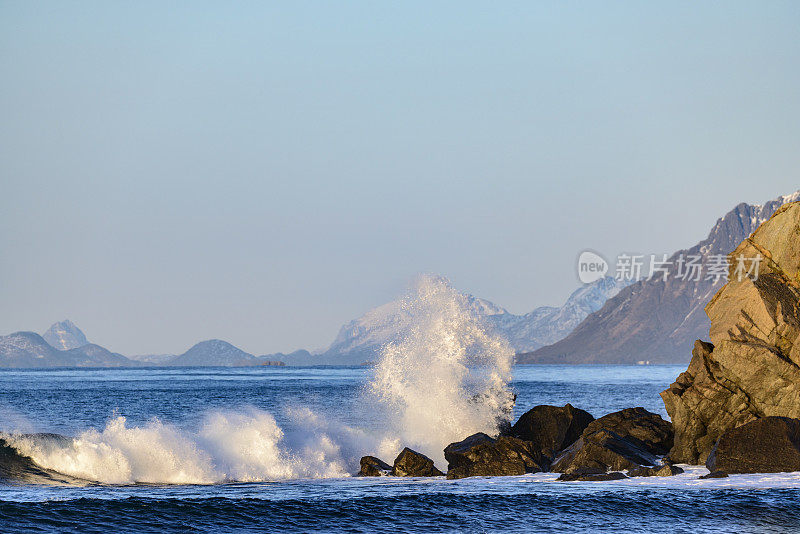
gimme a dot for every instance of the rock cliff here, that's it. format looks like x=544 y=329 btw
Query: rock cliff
x=751 y=367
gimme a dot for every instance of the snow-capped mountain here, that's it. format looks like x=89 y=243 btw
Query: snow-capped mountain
x=29 y=349
x=64 y=335
x=361 y=340
x=657 y=320
x=546 y=325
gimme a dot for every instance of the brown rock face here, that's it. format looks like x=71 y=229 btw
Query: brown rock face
x=481 y=455
x=410 y=463
x=767 y=445
x=374 y=467
x=751 y=368
x=551 y=428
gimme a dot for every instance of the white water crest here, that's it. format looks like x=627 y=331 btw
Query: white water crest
x=445 y=379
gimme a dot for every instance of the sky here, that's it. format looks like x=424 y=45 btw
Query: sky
x=264 y=172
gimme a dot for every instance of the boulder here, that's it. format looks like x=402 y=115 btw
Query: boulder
x=767 y=445
x=591 y=477
x=601 y=451
x=410 y=463
x=481 y=455
x=551 y=428
x=715 y=474
x=751 y=367
x=645 y=429
x=374 y=467
x=666 y=470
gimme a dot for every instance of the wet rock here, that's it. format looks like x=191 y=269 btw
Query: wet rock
x=374 y=467
x=715 y=474
x=602 y=450
x=645 y=429
x=481 y=455
x=656 y=471
x=767 y=445
x=410 y=463
x=551 y=428
x=591 y=477
x=751 y=368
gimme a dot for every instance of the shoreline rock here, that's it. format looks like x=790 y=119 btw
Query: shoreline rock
x=767 y=445
x=751 y=368
x=410 y=463
x=482 y=455
x=551 y=428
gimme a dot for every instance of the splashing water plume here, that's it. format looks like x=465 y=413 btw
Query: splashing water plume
x=447 y=377
x=444 y=378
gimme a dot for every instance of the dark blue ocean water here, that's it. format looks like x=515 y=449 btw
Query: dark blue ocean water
x=71 y=401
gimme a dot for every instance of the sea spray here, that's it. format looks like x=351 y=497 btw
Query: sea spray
x=447 y=375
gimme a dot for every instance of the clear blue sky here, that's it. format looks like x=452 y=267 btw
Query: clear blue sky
x=263 y=173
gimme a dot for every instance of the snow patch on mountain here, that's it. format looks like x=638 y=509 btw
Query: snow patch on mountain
x=64 y=335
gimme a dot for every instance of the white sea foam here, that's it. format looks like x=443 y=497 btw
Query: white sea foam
x=446 y=379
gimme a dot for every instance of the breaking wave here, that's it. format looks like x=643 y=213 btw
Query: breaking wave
x=444 y=378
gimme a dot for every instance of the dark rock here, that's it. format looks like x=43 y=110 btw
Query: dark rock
x=374 y=467
x=413 y=464
x=751 y=368
x=481 y=455
x=657 y=471
x=551 y=428
x=603 y=450
x=715 y=474
x=645 y=429
x=590 y=477
x=768 y=445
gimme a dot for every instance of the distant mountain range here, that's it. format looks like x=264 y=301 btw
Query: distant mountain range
x=654 y=320
x=29 y=349
x=606 y=321
x=361 y=340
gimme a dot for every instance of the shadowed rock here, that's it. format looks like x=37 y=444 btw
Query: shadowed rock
x=374 y=467
x=481 y=455
x=551 y=428
x=768 y=445
x=601 y=451
x=657 y=471
x=591 y=477
x=410 y=463
x=715 y=474
x=645 y=429
x=751 y=368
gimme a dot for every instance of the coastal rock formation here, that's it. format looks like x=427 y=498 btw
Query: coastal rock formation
x=591 y=477
x=645 y=429
x=601 y=451
x=551 y=428
x=751 y=368
x=767 y=445
x=410 y=463
x=627 y=439
x=481 y=455
x=374 y=467
x=657 y=471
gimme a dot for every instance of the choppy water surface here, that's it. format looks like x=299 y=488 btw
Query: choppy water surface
x=177 y=411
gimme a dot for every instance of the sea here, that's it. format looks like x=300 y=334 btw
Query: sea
x=274 y=449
